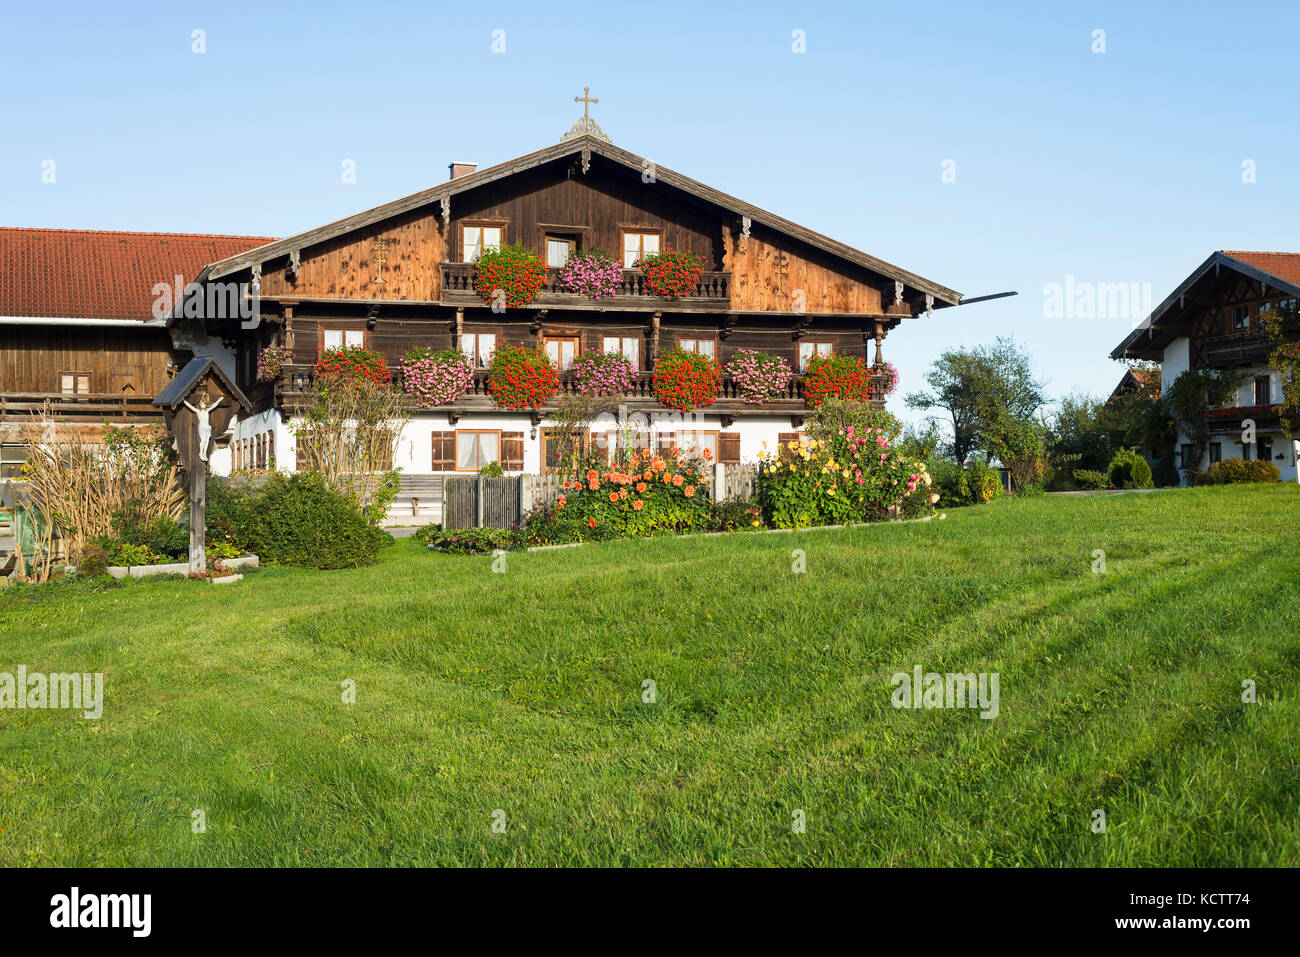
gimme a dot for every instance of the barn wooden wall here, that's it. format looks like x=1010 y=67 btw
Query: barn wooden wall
x=345 y=268
x=755 y=263
x=33 y=357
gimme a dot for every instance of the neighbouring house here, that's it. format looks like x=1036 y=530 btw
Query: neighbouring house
x=83 y=324
x=1212 y=321
x=1136 y=381
x=402 y=275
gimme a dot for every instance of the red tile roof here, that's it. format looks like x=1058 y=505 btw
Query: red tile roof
x=94 y=274
x=1283 y=265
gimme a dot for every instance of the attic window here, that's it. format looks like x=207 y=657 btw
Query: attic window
x=475 y=240
x=638 y=245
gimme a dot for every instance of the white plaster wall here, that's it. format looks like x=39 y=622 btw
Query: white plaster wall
x=1177 y=359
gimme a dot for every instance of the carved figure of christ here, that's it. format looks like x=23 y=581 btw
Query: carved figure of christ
x=204 y=416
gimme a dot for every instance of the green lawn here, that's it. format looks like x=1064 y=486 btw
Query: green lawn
x=522 y=692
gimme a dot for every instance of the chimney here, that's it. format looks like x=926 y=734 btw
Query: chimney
x=459 y=169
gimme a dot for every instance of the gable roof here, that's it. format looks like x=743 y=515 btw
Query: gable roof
x=100 y=274
x=184 y=381
x=1280 y=271
x=236 y=263
x=1132 y=380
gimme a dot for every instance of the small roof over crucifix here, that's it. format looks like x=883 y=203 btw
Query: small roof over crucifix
x=585 y=126
x=195 y=371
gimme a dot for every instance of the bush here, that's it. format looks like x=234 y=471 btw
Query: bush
x=834 y=415
x=492 y=470
x=976 y=484
x=470 y=541
x=229 y=515
x=847 y=478
x=1236 y=471
x=1088 y=479
x=734 y=516
x=1129 y=470
x=299 y=520
x=91 y=561
x=160 y=536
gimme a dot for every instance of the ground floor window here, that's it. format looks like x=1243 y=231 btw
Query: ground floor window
x=1216 y=452
x=692 y=443
x=1265 y=448
x=477 y=449
x=1185 y=453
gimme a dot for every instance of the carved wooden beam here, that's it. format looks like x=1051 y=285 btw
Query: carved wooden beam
x=295 y=263
x=728 y=323
x=652 y=347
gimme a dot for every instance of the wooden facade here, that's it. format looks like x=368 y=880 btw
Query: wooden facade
x=398 y=276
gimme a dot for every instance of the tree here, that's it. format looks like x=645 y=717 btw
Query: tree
x=991 y=397
x=1282 y=326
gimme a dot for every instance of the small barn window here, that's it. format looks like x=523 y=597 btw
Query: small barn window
x=74 y=383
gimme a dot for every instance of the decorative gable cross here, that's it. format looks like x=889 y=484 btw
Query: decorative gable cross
x=585 y=126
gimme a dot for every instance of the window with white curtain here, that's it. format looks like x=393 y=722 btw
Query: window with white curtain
x=809 y=349
x=478 y=239
x=478 y=346
x=628 y=345
x=704 y=347
x=476 y=449
x=638 y=246
x=561 y=352
x=337 y=338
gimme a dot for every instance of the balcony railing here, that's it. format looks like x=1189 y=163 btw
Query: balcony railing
x=1238 y=348
x=295 y=382
x=713 y=289
x=94 y=405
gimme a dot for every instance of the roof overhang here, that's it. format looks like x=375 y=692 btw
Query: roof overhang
x=942 y=295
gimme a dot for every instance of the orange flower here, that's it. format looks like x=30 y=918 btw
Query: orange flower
x=622 y=493
x=640 y=486
x=707 y=455
x=677 y=481
x=638 y=505
x=689 y=491
x=613 y=496
x=648 y=474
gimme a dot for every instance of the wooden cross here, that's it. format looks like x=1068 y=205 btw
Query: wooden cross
x=380 y=249
x=586 y=100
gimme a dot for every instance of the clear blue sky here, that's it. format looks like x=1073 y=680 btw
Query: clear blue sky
x=1124 y=166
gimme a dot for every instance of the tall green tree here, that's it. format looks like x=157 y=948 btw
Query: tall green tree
x=991 y=399
x=1282 y=326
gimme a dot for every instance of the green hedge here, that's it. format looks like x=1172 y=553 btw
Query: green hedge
x=1236 y=471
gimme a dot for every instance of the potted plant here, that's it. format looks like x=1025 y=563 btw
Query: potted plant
x=602 y=373
x=512 y=276
x=889 y=372
x=522 y=378
x=759 y=376
x=844 y=377
x=671 y=273
x=271 y=361
x=350 y=364
x=591 y=273
x=686 y=380
x=435 y=377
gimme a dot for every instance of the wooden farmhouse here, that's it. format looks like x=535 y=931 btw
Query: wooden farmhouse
x=402 y=275
x=83 y=324
x=1212 y=321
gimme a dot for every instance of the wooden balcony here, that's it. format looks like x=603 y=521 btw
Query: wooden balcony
x=1236 y=349
x=82 y=407
x=711 y=293
x=294 y=386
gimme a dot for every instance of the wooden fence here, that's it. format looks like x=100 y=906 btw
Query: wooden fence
x=484 y=502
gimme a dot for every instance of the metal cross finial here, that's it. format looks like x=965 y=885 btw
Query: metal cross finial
x=585 y=126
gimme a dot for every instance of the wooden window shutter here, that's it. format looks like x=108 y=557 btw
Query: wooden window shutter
x=444 y=452
x=729 y=448
x=784 y=437
x=512 y=451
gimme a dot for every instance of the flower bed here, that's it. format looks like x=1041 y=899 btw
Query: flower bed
x=436 y=378
x=849 y=478
x=844 y=377
x=513 y=272
x=686 y=381
x=591 y=273
x=351 y=364
x=271 y=361
x=602 y=373
x=522 y=378
x=670 y=273
x=759 y=376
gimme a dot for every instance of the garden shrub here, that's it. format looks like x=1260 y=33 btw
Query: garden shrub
x=734 y=515
x=1129 y=470
x=91 y=561
x=1088 y=479
x=229 y=514
x=492 y=470
x=835 y=415
x=848 y=478
x=163 y=537
x=300 y=520
x=1236 y=471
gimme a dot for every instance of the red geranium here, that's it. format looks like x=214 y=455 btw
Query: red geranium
x=840 y=377
x=521 y=378
x=514 y=272
x=350 y=364
x=686 y=380
x=671 y=273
